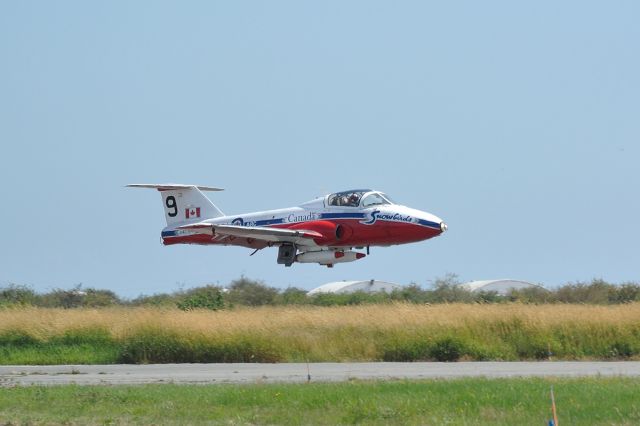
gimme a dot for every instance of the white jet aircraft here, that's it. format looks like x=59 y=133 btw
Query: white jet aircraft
x=324 y=230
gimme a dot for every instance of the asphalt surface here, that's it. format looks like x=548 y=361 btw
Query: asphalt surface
x=297 y=373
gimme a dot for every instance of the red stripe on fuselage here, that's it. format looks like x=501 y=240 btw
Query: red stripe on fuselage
x=381 y=233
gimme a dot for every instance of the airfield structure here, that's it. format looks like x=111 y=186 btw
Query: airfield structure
x=502 y=287
x=368 y=286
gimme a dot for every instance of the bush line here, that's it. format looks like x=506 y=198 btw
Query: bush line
x=247 y=292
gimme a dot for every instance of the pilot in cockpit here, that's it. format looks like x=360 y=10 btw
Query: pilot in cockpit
x=345 y=199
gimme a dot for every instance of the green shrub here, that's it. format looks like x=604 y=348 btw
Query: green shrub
x=412 y=293
x=157 y=300
x=447 y=349
x=17 y=338
x=94 y=298
x=209 y=297
x=596 y=292
x=60 y=298
x=160 y=346
x=350 y=299
x=531 y=295
x=292 y=296
x=625 y=293
x=406 y=349
x=622 y=349
x=448 y=290
x=87 y=335
x=20 y=295
x=251 y=293
x=417 y=348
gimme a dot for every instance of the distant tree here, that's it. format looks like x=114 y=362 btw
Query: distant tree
x=345 y=299
x=59 y=298
x=488 y=297
x=597 y=292
x=412 y=293
x=208 y=297
x=328 y=299
x=94 y=298
x=19 y=295
x=535 y=295
x=625 y=293
x=158 y=300
x=448 y=290
x=364 y=297
x=292 y=296
x=248 y=292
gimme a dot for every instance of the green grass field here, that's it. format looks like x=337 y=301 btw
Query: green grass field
x=593 y=401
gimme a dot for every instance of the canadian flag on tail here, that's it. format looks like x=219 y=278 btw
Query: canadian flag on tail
x=192 y=212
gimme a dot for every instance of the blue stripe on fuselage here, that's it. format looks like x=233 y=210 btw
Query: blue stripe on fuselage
x=342 y=216
x=428 y=223
x=268 y=222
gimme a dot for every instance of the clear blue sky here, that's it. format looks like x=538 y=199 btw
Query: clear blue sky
x=518 y=124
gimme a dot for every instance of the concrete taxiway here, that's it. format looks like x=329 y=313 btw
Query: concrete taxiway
x=299 y=372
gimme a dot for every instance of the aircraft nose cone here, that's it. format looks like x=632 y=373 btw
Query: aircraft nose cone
x=443 y=227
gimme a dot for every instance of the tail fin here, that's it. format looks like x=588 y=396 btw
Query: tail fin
x=184 y=203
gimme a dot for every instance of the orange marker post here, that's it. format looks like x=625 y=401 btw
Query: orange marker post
x=553 y=408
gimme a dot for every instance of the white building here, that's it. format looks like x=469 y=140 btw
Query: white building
x=502 y=287
x=369 y=286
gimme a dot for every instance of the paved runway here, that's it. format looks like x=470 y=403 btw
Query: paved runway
x=292 y=373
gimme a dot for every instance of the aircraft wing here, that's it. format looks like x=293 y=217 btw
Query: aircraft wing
x=270 y=235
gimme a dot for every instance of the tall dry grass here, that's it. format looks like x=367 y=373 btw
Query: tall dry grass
x=120 y=321
x=370 y=332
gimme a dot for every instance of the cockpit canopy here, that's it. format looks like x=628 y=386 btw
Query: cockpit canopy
x=358 y=197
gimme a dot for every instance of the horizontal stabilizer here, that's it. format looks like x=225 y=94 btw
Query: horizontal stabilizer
x=200 y=228
x=172 y=186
